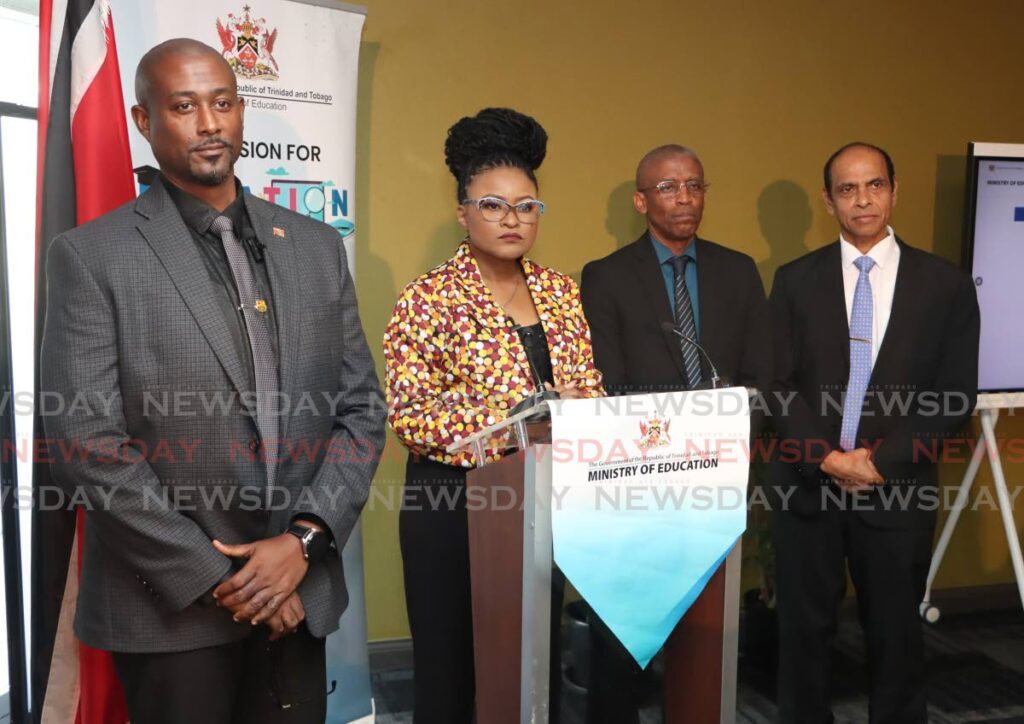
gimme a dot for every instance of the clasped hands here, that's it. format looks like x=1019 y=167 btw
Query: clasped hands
x=566 y=392
x=264 y=590
x=852 y=470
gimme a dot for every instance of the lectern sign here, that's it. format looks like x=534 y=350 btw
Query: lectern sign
x=648 y=497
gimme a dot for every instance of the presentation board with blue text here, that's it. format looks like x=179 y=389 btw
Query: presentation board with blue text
x=995 y=257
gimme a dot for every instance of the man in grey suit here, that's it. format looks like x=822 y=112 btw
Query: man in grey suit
x=229 y=419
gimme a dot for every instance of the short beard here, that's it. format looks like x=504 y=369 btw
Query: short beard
x=213 y=178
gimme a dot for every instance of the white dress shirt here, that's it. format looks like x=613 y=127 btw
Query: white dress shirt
x=882 y=276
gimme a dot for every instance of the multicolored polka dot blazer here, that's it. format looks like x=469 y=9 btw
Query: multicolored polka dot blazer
x=455 y=363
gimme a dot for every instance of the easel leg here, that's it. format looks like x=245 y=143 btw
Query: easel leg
x=928 y=612
x=988 y=425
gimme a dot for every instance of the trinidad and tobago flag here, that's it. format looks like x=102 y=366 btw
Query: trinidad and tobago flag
x=84 y=171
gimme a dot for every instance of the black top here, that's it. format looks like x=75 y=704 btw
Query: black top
x=198 y=217
x=536 y=344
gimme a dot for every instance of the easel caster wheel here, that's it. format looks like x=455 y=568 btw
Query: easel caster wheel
x=930 y=613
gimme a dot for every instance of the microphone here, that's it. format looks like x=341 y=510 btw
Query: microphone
x=541 y=395
x=537 y=381
x=716 y=381
x=256 y=247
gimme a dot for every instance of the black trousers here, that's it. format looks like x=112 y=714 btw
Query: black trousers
x=613 y=689
x=252 y=681
x=889 y=569
x=434 y=537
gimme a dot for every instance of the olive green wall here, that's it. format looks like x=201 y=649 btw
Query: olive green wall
x=764 y=91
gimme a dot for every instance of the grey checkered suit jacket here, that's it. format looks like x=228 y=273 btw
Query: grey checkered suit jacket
x=157 y=431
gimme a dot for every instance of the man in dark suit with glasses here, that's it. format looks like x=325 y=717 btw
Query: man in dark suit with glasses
x=641 y=301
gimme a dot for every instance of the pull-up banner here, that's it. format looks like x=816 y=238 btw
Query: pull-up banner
x=297 y=68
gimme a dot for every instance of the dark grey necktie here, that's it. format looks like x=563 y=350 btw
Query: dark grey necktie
x=254 y=311
x=684 y=320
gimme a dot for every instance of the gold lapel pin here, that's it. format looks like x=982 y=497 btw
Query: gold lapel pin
x=261 y=306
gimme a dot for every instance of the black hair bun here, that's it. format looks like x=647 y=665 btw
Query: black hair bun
x=494 y=133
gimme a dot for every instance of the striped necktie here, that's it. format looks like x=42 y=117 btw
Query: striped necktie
x=684 y=321
x=861 y=343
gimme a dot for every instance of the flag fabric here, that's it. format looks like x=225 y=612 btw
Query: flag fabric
x=85 y=171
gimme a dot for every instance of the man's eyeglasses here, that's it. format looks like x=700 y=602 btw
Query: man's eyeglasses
x=495 y=209
x=670 y=187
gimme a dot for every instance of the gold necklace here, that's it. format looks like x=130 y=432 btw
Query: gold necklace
x=514 y=292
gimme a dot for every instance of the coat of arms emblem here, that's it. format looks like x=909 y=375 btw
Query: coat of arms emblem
x=654 y=432
x=247 y=43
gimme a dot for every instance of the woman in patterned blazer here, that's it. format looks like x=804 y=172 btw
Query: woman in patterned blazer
x=465 y=344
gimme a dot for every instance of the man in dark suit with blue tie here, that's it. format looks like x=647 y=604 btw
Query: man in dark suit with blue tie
x=641 y=302
x=876 y=356
x=200 y=313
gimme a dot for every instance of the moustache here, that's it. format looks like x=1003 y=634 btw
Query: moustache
x=211 y=143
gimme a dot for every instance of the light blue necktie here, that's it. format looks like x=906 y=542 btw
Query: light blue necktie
x=861 y=323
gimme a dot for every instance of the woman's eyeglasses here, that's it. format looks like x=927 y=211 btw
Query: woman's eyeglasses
x=494 y=209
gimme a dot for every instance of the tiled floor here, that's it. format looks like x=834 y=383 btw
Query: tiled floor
x=975 y=670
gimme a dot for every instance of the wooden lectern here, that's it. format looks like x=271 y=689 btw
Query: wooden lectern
x=509 y=506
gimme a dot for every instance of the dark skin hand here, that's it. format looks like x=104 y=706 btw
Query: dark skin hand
x=273 y=569
x=288 y=617
x=565 y=392
x=852 y=470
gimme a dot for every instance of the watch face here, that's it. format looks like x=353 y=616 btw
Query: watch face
x=316 y=548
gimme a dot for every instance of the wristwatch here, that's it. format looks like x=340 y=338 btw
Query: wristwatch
x=314 y=542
